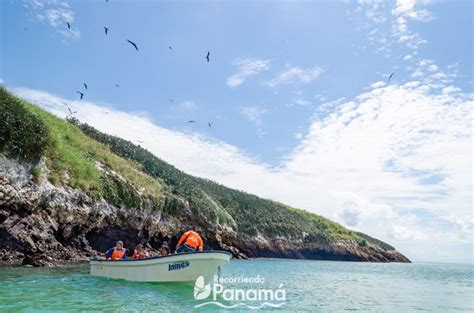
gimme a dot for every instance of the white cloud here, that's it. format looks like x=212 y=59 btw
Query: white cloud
x=254 y=115
x=432 y=76
x=247 y=68
x=400 y=232
x=56 y=13
x=398 y=18
x=450 y=89
x=466 y=226
x=403 y=11
x=410 y=8
x=299 y=100
x=320 y=97
x=350 y=214
x=188 y=105
x=295 y=74
x=373 y=10
x=378 y=84
x=394 y=162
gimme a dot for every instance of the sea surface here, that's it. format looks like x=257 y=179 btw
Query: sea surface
x=309 y=286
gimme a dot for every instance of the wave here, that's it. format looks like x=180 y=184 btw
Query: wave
x=253 y=307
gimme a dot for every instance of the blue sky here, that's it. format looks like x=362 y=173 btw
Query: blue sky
x=281 y=75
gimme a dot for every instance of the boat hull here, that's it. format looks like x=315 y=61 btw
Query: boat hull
x=184 y=267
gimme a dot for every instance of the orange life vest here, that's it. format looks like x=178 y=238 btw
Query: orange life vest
x=138 y=255
x=118 y=254
x=191 y=239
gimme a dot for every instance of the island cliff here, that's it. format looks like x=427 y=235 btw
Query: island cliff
x=68 y=191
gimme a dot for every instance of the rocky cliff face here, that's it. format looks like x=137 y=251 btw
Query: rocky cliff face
x=44 y=225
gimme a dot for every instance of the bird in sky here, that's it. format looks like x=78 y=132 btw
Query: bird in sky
x=85 y=86
x=68 y=25
x=140 y=141
x=117 y=85
x=171 y=100
x=82 y=94
x=210 y=125
x=207 y=56
x=106 y=29
x=191 y=121
x=391 y=75
x=171 y=48
x=71 y=111
x=133 y=44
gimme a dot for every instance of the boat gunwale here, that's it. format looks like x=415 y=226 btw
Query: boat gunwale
x=163 y=257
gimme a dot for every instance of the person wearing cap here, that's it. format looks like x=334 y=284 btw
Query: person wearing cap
x=116 y=253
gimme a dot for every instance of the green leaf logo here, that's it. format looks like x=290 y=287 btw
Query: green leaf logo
x=201 y=290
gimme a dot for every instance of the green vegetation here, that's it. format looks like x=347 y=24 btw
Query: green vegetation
x=36 y=172
x=82 y=157
x=211 y=201
x=362 y=242
x=22 y=134
x=375 y=242
x=29 y=132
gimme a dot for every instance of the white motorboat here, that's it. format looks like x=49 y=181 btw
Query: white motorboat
x=183 y=267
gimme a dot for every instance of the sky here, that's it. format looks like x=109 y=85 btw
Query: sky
x=298 y=94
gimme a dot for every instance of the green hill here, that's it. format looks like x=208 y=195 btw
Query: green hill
x=79 y=156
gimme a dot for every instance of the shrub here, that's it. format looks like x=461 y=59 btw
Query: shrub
x=362 y=242
x=22 y=134
x=36 y=172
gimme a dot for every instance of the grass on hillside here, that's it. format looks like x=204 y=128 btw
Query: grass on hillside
x=70 y=155
x=22 y=134
x=244 y=212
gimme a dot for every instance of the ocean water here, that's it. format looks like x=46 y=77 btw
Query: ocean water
x=310 y=286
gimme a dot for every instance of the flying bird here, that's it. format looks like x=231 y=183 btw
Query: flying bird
x=140 y=141
x=171 y=48
x=210 y=125
x=391 y=75
x=68 y=25
x=70 y=111
x=207 y=56
x=85 y=86
x=106 y=30
x=171 y=100
x=82 y=94
x=117 y=85
x=191 y=121
x=133 y=44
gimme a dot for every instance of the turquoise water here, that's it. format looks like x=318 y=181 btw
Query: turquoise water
x=316 y=286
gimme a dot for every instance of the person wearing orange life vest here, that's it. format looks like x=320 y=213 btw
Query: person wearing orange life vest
x=116 y=253
x=190 y=241
x=140 y=253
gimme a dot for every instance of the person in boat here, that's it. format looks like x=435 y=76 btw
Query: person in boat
x=140 y=252
x=190 y=241
x=165 y=249
x=116 y=253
